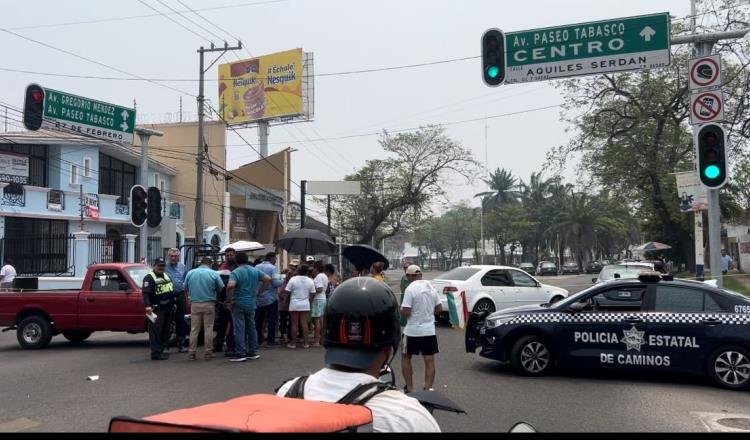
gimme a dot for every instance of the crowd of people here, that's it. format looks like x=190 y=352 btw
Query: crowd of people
x=245 y=305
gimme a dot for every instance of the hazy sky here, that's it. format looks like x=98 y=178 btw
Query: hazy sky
x=344 y=35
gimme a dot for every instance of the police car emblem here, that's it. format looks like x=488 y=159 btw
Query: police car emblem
x=633 y=338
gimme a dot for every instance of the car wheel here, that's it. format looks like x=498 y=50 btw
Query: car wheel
x=76 y=336
x=729 y=367
x=555 y=299
x=34 y=332
x=531 y=356
x=484 y=305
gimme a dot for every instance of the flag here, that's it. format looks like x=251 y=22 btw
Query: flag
x=457 y=309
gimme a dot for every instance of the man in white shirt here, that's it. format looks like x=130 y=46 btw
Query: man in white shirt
x=318 y=305
x=420 y=305
x=7 y=274
x=362 y=334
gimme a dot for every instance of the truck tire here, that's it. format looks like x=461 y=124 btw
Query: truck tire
x=531 y=356
x=77 y=336
x=34 y=332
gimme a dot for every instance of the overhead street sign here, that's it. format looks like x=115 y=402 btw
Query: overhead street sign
x=705 y=72
x=620 y=44
x=333 y=187
x=706 y=107
x=88 y=116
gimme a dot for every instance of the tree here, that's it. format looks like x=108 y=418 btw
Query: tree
x=397 y=191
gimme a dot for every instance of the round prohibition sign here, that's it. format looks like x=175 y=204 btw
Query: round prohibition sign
x=713 y=113
x=694 y=73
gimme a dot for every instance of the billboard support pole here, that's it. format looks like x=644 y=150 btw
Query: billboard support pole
x=263 y=138
x=201 y=142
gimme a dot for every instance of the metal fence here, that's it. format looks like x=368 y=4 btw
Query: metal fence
x=40 y=254
x=154 y=249
x=107 y=250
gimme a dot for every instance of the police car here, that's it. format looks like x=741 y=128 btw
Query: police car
x=647 y=323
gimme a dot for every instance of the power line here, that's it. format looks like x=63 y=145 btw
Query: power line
x=170 y=18
x=133 y=17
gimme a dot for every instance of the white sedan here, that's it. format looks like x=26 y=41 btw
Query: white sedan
x=494 y=288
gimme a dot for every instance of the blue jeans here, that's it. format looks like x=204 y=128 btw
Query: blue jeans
x=245 y=335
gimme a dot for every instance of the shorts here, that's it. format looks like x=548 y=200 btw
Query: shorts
x=299 y=305
x=318 y=308
x=424 y=345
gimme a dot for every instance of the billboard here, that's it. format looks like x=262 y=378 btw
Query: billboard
x=691 y=192
x=14 y=168
x=266 y=87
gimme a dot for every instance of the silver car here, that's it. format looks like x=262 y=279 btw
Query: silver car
x=621 y=270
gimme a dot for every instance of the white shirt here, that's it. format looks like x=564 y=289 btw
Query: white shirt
x=392 y=411
x=7 y=273
x=321 y=281
x=422 y=298
x=300 y=287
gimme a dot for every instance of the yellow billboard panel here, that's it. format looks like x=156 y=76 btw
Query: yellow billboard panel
x=266 y=87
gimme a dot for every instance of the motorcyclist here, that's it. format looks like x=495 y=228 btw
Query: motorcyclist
x=362 y=336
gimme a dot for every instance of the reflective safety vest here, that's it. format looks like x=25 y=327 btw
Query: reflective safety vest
x=162 y=286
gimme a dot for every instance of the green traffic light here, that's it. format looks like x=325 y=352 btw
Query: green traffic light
x=493 y=71
x=711 y=171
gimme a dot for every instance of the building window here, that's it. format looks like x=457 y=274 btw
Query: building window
x=87 y=167
x=73 y=174
x=115 y=178
x=38 y=158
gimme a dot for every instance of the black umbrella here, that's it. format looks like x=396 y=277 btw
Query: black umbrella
x=433 y=400
x=362 y=255
x=306 y=242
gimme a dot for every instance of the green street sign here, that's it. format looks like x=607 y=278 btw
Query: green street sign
x=89 y=117
x=629 y=43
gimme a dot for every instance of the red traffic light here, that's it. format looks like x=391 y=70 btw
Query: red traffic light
x=33 y=107
x=37 y=95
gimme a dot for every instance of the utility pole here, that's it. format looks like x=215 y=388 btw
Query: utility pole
x=201 y=141
x=144 y=134
x=302 y=189
x=263 y=127
x=703 y=44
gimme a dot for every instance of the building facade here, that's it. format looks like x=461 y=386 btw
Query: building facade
x=56 y=185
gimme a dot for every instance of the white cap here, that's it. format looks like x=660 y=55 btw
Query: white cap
x=309 y=258
x=413 y=270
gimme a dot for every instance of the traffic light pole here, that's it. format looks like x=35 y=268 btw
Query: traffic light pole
x=703 y=45
x=145 y=134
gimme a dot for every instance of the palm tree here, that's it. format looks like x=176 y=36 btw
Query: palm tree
x=536 y=196
x=581 y=219
x=504 y=189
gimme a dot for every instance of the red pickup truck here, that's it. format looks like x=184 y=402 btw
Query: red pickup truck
x=109 y=300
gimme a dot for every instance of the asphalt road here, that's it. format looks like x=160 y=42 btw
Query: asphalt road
x=48 y=390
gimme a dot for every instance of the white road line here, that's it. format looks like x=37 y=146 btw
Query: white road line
x=18 y=425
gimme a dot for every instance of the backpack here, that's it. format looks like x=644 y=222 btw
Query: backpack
x=359 y=395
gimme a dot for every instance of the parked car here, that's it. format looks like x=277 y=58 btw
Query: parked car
x=527 y=267
x=493 y=288
x=622 y=270
x=594 y=266
x=109 y=300
x=546 y=268
x=571 y=267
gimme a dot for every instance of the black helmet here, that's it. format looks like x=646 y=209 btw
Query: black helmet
x=362 y=317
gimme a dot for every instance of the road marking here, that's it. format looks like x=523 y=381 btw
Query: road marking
x=18 y=425
x=712 y=421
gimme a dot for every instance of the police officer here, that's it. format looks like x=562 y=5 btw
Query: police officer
x=158 y=296
x=362 y=336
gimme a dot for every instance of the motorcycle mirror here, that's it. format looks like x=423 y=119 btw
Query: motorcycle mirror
x=387 y=376
x=522 y=428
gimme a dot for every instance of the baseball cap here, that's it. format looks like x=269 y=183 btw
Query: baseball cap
x=294 y=262
x=413 y=270
x=309 y=258
x=159 y=262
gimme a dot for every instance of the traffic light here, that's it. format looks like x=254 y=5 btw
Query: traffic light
x=138 y=205
x=712 y=157
x=33 y=107
x=493 y=57
x=153 y=211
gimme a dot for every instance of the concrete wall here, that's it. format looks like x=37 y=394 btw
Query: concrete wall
x=177 y=148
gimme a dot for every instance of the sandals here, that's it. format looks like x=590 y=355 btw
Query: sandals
x=291 y=346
